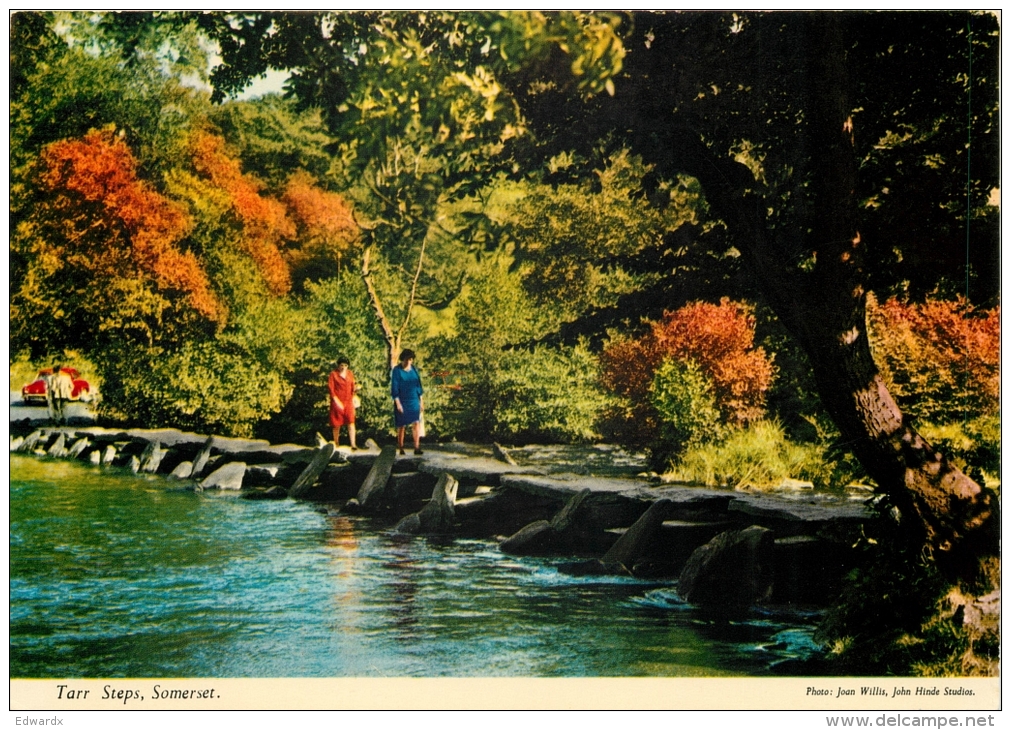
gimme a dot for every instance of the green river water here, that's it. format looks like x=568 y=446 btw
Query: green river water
x=118 y=575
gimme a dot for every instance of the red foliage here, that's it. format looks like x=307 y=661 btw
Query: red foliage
x=96 y=186
x=719 y=337
x=264 y=220
x=940 y=358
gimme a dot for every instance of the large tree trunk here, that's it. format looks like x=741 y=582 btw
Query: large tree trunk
x=823 y=305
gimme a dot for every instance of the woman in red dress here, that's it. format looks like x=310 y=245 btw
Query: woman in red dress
x=342 y=401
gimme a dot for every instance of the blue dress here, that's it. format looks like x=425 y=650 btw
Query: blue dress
x=406 y=385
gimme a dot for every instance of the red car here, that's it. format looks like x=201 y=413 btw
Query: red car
x=36 y=390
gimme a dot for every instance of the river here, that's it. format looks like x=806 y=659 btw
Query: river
x=118 y=575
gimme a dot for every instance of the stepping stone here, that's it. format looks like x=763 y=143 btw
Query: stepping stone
x=312 y=472
x=228 y=476
x=151 y=458
x=29 y=444
x=58 y=448
x=371 y=492
x=502 y=455
x=437 y=516
x=733 y=569
x=183 y=470
x=564 y=519
x=109 y=456
x=200 y=462
x=543 y=537
x=529 y=539
x=639 y=538
x=78 y=447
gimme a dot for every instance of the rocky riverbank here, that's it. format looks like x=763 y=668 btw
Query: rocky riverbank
x=726 y=548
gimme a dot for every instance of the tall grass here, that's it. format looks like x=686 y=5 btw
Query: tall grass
x=761 y=456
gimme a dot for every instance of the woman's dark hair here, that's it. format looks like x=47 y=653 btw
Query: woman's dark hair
x=343 y=361
x=407 y=355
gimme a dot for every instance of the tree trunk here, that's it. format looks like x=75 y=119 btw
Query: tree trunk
x=391 y=338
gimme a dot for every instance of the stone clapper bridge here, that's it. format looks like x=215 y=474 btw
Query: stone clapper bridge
x=726 y=548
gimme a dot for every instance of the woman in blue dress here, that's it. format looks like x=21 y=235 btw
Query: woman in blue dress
x=408 y=404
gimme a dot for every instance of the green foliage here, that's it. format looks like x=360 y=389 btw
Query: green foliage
x=206 y=386
x=337 y=321
x=537 y=395
x=547 y=395
x=897 y=615
x=974 y=445
x=761 y=456
x=682 y=395
x=273 y=139
x=940 y=359
x=224 y=384
x=572 y=242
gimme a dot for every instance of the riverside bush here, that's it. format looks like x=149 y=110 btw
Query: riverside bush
x=974 y=446
x=719 y=338
x=940 y=359
x=538 y=395
x=683 y=398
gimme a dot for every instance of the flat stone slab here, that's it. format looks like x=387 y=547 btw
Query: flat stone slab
x=183 y=470
x=806 y=509
x=608 y=495
x=478 y=469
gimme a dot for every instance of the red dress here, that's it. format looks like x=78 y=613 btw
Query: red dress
x=344 y=390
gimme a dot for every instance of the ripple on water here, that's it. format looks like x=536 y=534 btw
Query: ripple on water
x=148 y=580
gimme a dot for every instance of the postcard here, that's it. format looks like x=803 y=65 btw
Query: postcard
x=506 y=360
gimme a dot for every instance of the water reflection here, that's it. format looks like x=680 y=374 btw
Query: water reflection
x=342 y=545
x=402 y=581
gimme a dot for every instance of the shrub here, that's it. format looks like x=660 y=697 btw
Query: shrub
x=973 y=446
x=682 y=396
x=538 y=395
x=719 y=338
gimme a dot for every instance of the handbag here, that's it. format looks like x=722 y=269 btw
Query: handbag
x=421 y=426
x=356 y=402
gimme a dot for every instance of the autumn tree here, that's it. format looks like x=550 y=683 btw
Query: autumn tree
x=103 y=247
x=325 y=228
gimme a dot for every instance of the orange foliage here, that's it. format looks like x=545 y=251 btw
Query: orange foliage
x=718 y=337
x=326 y=228
x=265 y=221
x=321 y=215
x=941 y=359
x=99 y=169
